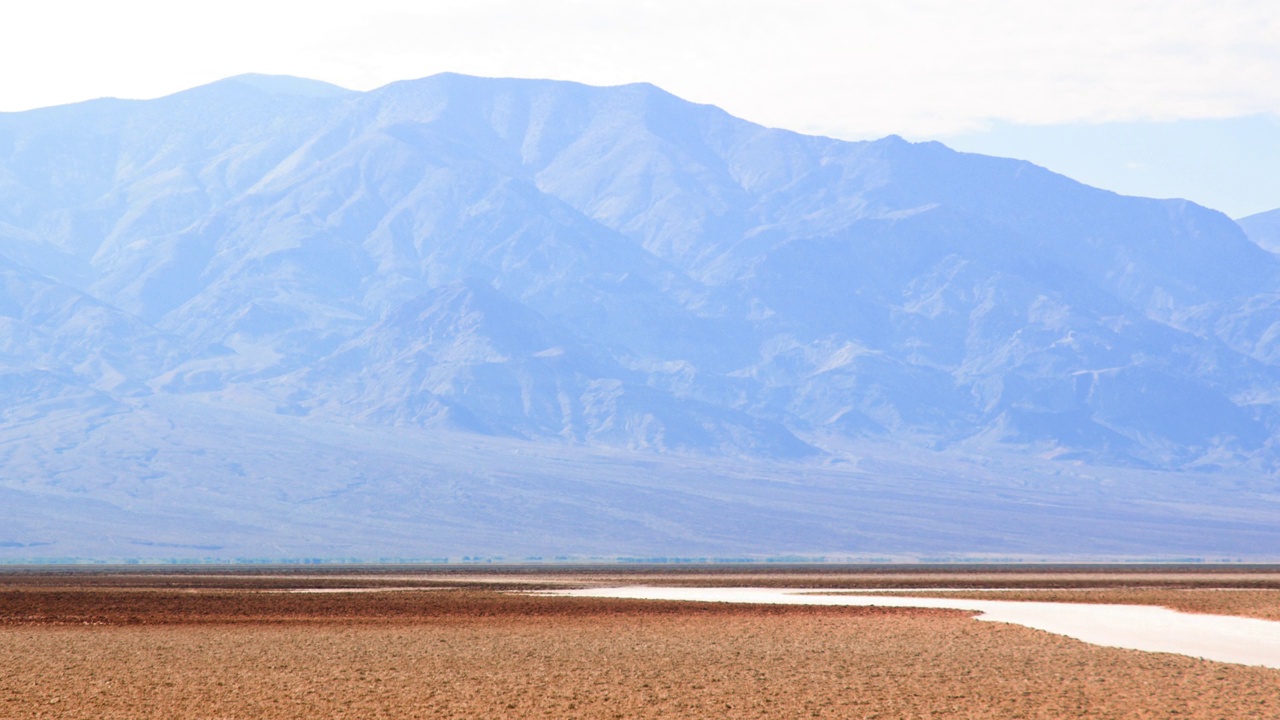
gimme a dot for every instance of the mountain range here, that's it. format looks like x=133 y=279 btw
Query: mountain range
x=1223 y=163
x=458 y=316
x=1263 y=228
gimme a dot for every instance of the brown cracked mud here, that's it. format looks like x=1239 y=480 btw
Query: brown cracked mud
x=187 y=649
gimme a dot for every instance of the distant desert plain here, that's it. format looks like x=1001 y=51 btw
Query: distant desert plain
x=378 y=642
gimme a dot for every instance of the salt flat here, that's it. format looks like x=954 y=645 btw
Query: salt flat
x=1245 y=641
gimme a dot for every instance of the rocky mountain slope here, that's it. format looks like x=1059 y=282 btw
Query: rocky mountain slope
x=572 y=269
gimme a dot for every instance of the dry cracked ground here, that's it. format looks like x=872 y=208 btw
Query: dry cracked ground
x=239 y=646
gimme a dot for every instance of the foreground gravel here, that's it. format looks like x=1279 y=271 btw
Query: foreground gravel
x=217 y=654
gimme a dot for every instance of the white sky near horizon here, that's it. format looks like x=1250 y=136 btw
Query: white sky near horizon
x=920 y=68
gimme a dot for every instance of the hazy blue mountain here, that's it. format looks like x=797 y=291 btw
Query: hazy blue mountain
x=1223 y=163
x=237 y=292
x=1263 y=228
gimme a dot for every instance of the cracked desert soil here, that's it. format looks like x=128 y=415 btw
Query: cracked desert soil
x=169 y=649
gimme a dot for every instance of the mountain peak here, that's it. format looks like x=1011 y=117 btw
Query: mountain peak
x=581 y=266
x=289 y=85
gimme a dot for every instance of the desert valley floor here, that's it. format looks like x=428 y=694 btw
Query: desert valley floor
x=469 y=643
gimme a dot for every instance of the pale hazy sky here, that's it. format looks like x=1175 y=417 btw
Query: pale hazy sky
x=849 y=69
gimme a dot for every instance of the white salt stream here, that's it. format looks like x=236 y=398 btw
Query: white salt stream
x=1245 y=641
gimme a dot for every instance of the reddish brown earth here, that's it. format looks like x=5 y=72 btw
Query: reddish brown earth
x=189 y=649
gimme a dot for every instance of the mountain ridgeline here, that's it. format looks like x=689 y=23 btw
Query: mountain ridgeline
x=615 y=265
x=606 y=268
x=1263 y=228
